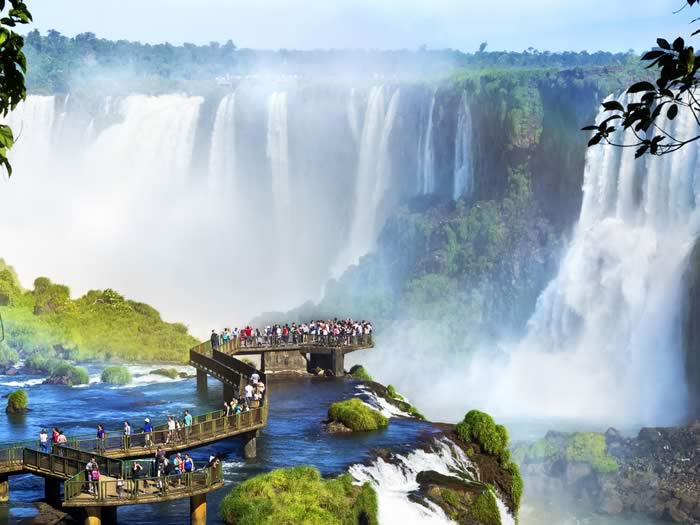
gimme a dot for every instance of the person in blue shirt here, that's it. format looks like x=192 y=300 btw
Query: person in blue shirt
x=147 y=429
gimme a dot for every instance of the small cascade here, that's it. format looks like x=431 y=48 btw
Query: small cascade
x=463 y=165
x=396 y=479
x=426 y=157
x=222 y=153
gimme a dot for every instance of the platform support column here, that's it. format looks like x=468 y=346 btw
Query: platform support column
x=109 y=515
x=250 y=445
x=93 y=516
x=198 y=509
x=338 y=362
x=52 y=492
x=201 y=381
x=4 y=488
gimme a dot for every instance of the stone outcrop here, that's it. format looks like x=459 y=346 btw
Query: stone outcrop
x=658 y=474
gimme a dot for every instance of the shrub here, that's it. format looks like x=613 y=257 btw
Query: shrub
x=484 y=509
x=590 y=447
x=360 y=373
x=516 y=484
x=391 y=390
x=480 y=427
x=357 y=416
x=167 y=372
x=17 y=402
x=69 y=374
x=116 y=375
x=299 y=495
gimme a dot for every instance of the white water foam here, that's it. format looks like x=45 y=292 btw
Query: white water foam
x=23 y=384
x=378 y=403
x=395 y=481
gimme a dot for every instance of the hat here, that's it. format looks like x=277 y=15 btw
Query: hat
x=212 y=458
x=147 y=420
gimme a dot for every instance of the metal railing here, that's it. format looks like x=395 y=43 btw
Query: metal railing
x=142 y=488
x=206 y=428
x=272 y=341
x=69 y=463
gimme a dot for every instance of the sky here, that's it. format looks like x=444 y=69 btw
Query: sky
x=554 y=25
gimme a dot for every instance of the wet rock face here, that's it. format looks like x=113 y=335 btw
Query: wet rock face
x=658 y=475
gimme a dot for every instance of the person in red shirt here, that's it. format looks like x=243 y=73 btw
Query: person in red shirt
x=54 y=435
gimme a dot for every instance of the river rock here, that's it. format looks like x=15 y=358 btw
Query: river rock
x=336 y=427
x=12 y=371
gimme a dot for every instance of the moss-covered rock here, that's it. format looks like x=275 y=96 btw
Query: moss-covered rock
x=67 y=374
x=116 y=375
x=479 y=428
x=172 y=373
x=359 y=372
x=590 y=447
x=300 y=496
x=17 y=402
x=356 y=415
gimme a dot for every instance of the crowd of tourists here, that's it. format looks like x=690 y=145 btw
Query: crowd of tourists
x=336 y=331
x=164 y=472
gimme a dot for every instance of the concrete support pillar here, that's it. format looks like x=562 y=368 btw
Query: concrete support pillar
x=4 y=488
x=250 y=445
x=109 y=515
x=52 y=492
x=93 y=516
x=338 y=362
x=263 y=367
x=201 y=381
x=198 y=509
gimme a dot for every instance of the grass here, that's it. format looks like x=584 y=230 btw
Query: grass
x=484 y=509
x=300 y=496
x=17 y=402
x=116 y=375
x=357 y=416
x=391 y=390
x=360 y=373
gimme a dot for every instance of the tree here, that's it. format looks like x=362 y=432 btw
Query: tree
x=13 y=67
x=650 y=106
x=482 y=47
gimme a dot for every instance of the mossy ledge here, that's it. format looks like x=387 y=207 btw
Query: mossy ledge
x=356 y=415
x=300 y=495
x=487 y=445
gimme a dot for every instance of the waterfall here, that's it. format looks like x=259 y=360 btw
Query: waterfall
x=426 y=160
x=372 y=179
x=278 y=157
x=31 y=124
x=222 y=154
x=463 y=168
x=604 y=341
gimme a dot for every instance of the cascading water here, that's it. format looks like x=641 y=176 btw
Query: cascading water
x=372 y=177
x=278 y=154
x=604 y=341
x=426 y=160
x=463 y=166
x=222 y=155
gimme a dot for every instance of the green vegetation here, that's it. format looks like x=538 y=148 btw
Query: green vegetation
x=581 y=447
x=359 y=372
x=67 y=374
x=391 y=390
x=484 y=509
x=450 y=497
x=172 y=373
x=479 y=427
x=13 y=67
x=17 y=402
x=357 y=416
x=46 y=324
x=116 y=375
x=299 y=496
x=590 y=447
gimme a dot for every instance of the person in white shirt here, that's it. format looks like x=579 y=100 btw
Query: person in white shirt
x=248 y=393
x=44 y=441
